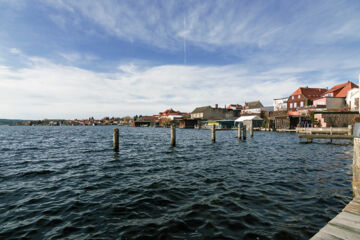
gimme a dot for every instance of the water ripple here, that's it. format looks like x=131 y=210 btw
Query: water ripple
x=65 y=182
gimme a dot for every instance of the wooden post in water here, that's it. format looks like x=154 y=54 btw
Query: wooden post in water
x=244 y=132
x=251 y=129
x=213 y=138
x=356 y=162
x=173 y=135
x=116 y=140
x=239 y=130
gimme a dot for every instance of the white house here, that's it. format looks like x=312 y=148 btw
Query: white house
x=352 y=99
x=280 y=104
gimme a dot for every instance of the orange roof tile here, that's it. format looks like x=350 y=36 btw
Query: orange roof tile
x=310 y=93
x=341 y=90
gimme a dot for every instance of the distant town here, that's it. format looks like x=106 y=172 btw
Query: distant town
x=306 y=106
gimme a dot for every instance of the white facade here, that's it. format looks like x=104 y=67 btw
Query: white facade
x=280 y=104
x=352 y=99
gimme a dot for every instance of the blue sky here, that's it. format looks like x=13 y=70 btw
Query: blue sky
x=76 y=59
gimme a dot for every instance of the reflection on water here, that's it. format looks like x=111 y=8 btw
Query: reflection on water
x=65 y=182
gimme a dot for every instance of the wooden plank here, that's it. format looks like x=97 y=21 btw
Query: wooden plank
x=353 y=207
x=347 y=221
x=324 y=136
x=340 y=233
x=324 y=236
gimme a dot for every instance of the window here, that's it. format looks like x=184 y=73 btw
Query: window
x=299 y=96
x=295 y=105
x=292 y=97
x=291 y=105
x=301 y=104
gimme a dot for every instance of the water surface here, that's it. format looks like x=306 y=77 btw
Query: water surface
x=65 y=182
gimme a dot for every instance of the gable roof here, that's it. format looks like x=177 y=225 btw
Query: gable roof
x=310 y=93
x=200 y=109
x=341 y=90
x=255 y=104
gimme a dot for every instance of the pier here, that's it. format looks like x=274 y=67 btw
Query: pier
x=346 y=225
x=325 y=133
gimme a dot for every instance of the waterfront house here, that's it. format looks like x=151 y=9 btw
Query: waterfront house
x=304 y=96
x=352 y=99
x=220 y=124
x=335 y=98
x=251 y=108
x=280 y=104
x=212 y=113
x=249 y=121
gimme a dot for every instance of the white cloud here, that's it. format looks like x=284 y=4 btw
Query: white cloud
x=48 y=90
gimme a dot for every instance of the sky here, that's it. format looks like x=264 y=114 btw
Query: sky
x=64 y=59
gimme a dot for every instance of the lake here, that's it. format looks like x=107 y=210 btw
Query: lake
x=66 y=182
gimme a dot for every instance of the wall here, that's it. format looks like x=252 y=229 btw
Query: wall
x=335 y=103
x=340 y=119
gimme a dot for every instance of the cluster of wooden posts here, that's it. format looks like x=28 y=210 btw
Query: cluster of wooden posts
x=241 y=135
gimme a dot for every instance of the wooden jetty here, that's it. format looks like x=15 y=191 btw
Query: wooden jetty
x=325 y=133
x=346 y=225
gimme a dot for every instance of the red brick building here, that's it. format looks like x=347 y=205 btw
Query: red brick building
x=304 y=96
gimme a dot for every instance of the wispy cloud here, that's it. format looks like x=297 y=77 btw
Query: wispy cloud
x=212 y=24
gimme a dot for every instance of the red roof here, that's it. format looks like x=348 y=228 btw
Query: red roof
x=341 y=89
x=310 y=93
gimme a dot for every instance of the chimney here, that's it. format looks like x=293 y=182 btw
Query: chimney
x=216 y=106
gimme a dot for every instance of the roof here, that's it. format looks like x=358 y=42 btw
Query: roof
x=341 y=90
x=244 y=118
x=310 y=93
x=255 y=104
x=200 y=109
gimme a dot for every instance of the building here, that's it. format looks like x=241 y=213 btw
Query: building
x=280 y=104
x=220 y=124
x=252 y=108
x=304 y=96
x=335 y=98
x=340 y=90
x=172 y=114
x=254 y=121
x=352 y=99
x=212 y=113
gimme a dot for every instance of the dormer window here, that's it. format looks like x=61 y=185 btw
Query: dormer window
x=299 y=96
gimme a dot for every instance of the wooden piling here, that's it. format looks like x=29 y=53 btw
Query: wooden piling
x=173 y=136
x=244 y=132
x=251 y=130
x=239 y=131
x=213 y=138
x=116 y=140
x=356 y=162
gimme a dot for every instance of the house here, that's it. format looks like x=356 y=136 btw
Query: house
x=220 y=124
x=145 y=121
x=172 y=114
x=253 y=105
x=280 y=104
x=352 y=99
x=212 y=113
x=252 y=108
x=335 y=98
x=304 y=96
x=249 y=121
x=340 y=90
